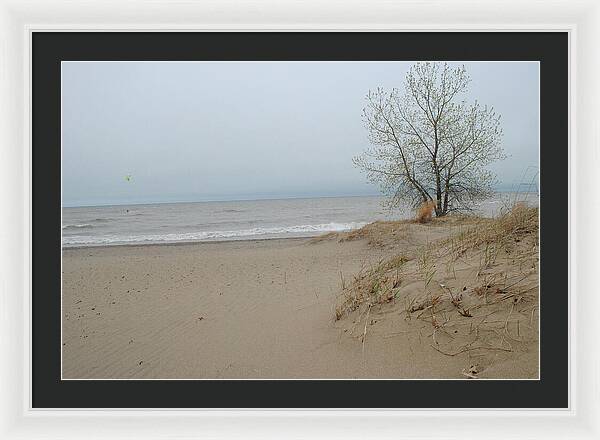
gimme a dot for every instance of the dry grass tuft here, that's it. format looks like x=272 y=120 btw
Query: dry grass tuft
x=377 y=234
x=425 y=212
x=376 y=285
x=493 y=234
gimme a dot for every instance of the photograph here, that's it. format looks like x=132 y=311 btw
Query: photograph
x=292 y=220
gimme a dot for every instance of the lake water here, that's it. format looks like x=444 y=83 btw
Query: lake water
x=234 y=220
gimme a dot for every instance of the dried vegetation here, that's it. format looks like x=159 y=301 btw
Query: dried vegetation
x=476 y=291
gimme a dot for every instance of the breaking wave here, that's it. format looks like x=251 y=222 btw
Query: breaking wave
x=78 y=226
x=266 y=232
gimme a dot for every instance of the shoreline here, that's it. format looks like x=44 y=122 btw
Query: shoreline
x=190 y=243
x=257 y=237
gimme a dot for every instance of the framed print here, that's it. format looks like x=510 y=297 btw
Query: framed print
x=185 y=266
x=263 y=222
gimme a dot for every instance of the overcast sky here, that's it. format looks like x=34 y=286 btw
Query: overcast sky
x=198 y=131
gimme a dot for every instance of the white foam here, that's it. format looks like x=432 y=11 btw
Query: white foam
x=78 y=226
x=279 y=231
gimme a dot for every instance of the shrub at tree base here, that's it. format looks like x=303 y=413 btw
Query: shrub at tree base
x=425 y=212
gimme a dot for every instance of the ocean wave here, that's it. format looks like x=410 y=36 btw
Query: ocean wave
x=78 y=226
x=92 y=223
x=279 y=231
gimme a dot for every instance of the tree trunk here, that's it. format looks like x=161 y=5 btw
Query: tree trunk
x=445 y=203
x=439 y=212
x=446 y=189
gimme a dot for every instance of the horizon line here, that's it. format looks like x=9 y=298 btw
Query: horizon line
x=253 y=199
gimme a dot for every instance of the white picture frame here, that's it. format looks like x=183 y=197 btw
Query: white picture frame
x=18 y=19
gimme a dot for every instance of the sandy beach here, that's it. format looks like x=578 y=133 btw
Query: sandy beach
x=267 y=309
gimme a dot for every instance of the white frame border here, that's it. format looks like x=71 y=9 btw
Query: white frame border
x=581 y=18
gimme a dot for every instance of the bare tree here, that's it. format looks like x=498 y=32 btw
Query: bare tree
x=428 y=144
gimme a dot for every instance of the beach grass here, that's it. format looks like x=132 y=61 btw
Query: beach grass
x=476 y=290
